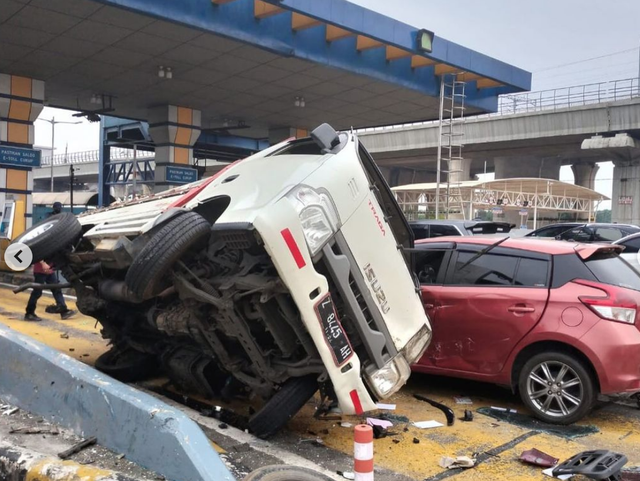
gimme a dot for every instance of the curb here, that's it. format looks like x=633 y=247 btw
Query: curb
x=151 y=433
x=18 y=464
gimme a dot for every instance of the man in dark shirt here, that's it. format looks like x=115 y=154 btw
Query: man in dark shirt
x=46 y=274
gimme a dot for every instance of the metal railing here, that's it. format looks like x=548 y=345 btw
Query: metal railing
x=568 y=97
x=89 y=156
x=553 y=99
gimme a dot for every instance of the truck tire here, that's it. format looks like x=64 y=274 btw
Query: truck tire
x=51 y=236
x=557 y=387
x=285 y=473
x=147 y=275
x=285 y=404
x=126 y=364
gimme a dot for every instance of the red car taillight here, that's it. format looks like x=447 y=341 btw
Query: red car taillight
x=617 y=305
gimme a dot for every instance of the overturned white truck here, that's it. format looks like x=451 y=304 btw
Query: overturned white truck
x=281 y=275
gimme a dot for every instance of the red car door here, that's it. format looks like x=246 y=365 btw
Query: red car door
x=484 y=308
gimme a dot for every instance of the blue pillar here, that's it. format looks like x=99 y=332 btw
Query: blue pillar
x=103 y=166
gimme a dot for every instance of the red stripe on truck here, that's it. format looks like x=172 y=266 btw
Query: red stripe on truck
x=355 y=399
x=293 y=247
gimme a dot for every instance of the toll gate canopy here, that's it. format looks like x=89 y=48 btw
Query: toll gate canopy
x=248 y=65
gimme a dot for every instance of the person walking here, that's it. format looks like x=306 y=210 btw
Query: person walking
x=46 y=274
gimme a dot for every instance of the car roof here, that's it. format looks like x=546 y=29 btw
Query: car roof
x=627 y=238
x=464 y=223
x=525 y=243
x=611 y=224
x=591 y=224
x=434 y=221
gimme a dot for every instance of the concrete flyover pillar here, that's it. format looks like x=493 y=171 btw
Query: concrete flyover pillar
x=459 y=170
x=21 y=101
x=625 y=200
x=174 y=131
x=584 y=173
x=529 y=166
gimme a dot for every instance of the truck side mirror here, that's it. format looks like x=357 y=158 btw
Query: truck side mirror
x=325 y=137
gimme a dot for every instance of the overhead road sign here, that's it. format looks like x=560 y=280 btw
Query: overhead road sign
x=19 y=157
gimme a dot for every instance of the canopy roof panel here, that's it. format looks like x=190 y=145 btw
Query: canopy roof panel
x=242 y=60
x=515 y=185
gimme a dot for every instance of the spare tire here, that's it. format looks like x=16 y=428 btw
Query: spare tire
x=285 y=404
x=147 y=275
x=51 y=236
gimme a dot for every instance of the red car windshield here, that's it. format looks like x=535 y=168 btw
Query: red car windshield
x=609 y=268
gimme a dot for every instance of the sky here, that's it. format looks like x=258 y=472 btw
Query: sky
x=562 y=42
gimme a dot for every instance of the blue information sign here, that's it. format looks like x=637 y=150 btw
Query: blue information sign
x=21 y=157
x=181 y=175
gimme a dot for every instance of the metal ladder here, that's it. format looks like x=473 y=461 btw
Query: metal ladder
x=451 y=143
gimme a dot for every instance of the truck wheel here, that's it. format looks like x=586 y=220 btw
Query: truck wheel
x=147 y=275
x=285 y=473
x=285 y=404
x=126 y=364
x=51 y=236
x=557 y=387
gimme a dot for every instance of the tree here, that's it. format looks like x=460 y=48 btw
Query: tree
x=484 y=215
x=603 y=216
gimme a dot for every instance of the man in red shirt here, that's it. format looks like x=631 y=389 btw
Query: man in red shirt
x=45 y=274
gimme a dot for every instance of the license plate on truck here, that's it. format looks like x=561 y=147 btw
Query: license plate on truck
x=334 y=334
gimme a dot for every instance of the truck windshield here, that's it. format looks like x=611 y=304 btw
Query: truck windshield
x=610 y=268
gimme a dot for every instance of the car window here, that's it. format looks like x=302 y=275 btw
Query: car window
x=489 y=269
x=551 y=231
x=532 y=273
x=631 y=246
x=438 y=230
x=581 y=234
x=428 y=264
x=489 y=228
x=607 y=234
x=420 y=231
x=609 y=268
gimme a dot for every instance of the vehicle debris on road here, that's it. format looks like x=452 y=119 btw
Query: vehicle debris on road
x=379 y=422
x=428 y=424
x=463 y=462
x=538 y=458
x=9 y=410
x=76 y=448
x=346 y=474
x=31 y=430
x=462 y=400
x=468 y=416
x=448 y=412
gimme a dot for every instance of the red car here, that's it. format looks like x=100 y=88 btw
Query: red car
x=555 y=321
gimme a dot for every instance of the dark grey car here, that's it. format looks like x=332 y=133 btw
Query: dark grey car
x=426 y=229
x=585 y=233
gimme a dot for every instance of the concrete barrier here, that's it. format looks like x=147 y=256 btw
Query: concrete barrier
x=64 y=391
